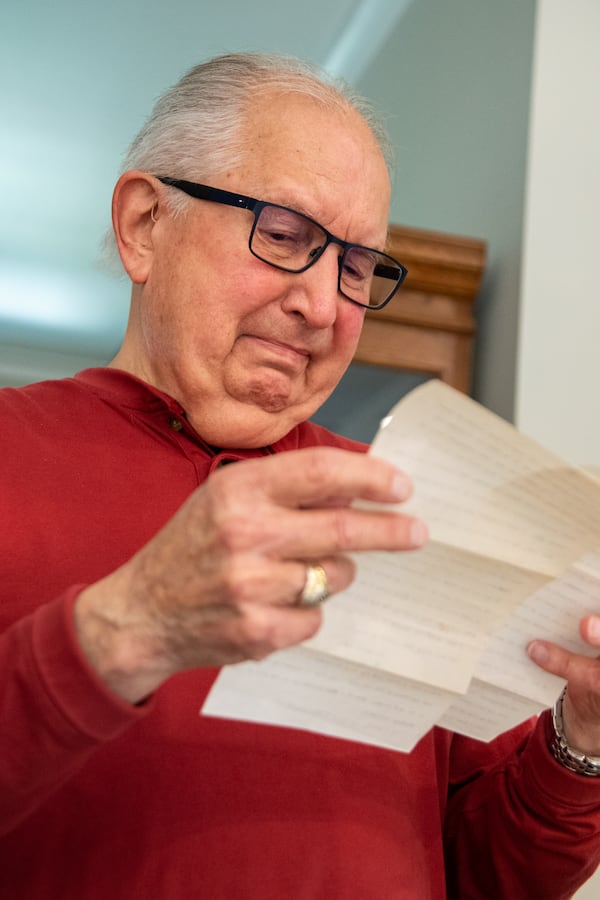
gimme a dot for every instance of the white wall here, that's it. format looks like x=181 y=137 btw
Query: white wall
x=558 y=374
x=558 y=377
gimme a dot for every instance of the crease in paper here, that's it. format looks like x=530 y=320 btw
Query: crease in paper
x=438 y=636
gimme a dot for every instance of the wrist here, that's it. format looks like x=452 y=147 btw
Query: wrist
x=579 y=733
x=125 y=655
x=569 y=750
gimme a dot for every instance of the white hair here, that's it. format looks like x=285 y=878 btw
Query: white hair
x=196 y=128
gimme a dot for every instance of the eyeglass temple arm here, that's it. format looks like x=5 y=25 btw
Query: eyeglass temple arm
x=203 y=192
x=391 y=272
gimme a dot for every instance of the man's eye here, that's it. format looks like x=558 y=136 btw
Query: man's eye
x=281 y=237
x=358 y=266
x=284 y=227
x=352 y=272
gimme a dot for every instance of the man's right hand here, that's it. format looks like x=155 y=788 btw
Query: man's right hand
x=220 y=582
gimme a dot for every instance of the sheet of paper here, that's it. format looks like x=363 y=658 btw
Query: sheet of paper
x=300 y=688
x=485 y=712
x=551 y=613
x=423 y=615
x=439 y=635
x=484 y=487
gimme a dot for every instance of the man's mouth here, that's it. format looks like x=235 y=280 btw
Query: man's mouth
x=289 y=353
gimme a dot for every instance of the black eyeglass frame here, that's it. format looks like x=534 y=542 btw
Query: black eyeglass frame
x=241 y=201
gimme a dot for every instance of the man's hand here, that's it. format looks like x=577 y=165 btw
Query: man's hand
x=220 y=582
x=581 y=709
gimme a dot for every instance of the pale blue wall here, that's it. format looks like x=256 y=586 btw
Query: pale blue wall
x=454 y=78
x=78 y=79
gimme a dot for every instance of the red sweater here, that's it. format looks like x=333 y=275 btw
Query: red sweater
x=102 y=800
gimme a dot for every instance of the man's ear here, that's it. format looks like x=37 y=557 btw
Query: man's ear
x=134 y=215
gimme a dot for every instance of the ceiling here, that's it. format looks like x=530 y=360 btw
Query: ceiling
x=82 y=77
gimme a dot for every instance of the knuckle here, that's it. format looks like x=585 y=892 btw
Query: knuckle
x=346 y=571
x=256 y=638
x=220 y=491
x=321 y=467
x=342 y=532
x=232 y=523
x=239 y=587
x=236 y=532
x=233 y=509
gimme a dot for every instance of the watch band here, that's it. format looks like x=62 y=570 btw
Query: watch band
x=571 y=759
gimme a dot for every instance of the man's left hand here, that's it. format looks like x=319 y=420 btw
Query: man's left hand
x=581 y=709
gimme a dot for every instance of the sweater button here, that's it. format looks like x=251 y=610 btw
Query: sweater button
x=175 y=423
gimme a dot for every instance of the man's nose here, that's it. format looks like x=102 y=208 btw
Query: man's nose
x=314 y=293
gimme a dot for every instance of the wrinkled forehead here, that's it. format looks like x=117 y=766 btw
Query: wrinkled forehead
x=278 y=120
x=320 y=158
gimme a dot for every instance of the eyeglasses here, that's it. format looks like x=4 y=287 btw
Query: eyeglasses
x=293 y=242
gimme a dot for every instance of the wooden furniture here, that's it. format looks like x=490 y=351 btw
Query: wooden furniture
x=429 y=326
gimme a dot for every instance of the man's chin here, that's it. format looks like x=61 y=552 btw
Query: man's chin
x=272 y=402
x=246 y=425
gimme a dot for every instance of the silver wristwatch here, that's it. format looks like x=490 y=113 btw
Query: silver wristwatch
x=567 y=756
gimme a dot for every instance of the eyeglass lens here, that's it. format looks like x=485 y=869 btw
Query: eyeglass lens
x=293 y=242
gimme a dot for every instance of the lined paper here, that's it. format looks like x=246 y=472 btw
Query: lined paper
x=438 y=636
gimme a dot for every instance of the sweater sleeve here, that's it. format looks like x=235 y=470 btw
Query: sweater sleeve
x=54 y=709
x=525 y=826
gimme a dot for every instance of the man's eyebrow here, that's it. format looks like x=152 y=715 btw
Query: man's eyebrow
x=300 y=208
x=293 y=205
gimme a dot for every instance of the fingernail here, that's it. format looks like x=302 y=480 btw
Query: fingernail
x=419 y=533
x=538 y=652
x=401 y=486
x=593 y=628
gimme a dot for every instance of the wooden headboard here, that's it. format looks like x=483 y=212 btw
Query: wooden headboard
x=429 y=326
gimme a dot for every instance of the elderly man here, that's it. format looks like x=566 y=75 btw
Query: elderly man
x=251 y=219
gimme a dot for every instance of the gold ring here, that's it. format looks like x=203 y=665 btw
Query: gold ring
x=316 y=587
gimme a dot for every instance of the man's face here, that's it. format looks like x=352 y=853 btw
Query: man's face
x=248 y=350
